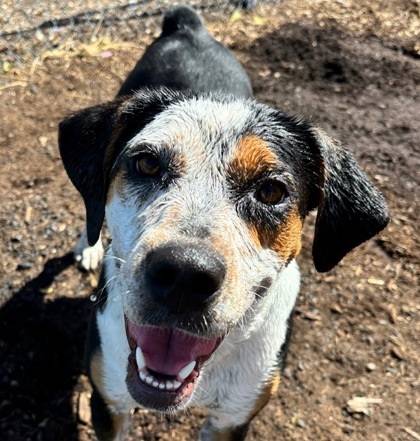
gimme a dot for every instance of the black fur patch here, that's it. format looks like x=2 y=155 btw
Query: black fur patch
x=351 y=209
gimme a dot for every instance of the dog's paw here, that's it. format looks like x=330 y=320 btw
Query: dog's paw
x=88 y=257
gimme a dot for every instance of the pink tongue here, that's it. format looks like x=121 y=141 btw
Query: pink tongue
x=167 y=351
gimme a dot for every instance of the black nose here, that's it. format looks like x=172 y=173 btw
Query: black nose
x=184 y=277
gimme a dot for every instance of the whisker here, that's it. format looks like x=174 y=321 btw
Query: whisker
x=203 y=391
x=111 y=257
x=97 y=298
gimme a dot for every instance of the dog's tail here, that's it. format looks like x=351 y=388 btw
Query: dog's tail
x=181 y=17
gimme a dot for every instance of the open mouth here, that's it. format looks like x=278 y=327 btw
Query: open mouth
x=164 y=365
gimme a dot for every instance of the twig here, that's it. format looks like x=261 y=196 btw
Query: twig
x=415 y=435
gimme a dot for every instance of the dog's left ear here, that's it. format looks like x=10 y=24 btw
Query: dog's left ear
x=350 y=211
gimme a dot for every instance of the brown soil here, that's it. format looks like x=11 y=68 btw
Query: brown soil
x=349 y=68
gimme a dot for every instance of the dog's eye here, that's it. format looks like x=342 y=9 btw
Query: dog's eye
x=271 y=193
x=148 y=165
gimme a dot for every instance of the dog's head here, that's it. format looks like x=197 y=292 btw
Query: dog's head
x=205 y=199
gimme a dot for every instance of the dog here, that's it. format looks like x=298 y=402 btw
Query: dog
x=205 y=192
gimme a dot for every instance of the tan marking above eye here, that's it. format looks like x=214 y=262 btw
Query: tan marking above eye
x=252 y=156
x=148 y=164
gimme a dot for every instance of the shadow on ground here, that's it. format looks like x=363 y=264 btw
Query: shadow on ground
x=41 y=350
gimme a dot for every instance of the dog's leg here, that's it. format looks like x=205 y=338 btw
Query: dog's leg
x=88 y=257
x=219 y=428
x=109 y=426
x=109 y=423
x=210 y=433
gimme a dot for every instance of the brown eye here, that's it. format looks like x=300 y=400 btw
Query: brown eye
x=271 y=193
x=148 y=165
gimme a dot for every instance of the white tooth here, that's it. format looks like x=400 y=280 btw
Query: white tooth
x=155 y=383
x=141 y=363
x=185 y=371
x=177 y=384
x=142 y=375
x=149 y=379
x=169 y=385
x=161 y=386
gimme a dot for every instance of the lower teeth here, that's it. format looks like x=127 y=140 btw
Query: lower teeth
x=154 y=382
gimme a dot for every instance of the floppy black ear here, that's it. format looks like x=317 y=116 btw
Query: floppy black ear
x=83 y=139
x=91 y=139
x=351 y=210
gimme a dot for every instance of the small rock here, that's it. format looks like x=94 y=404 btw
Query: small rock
x=287 y=373
x=301 y=366
x=362 y=405
x=397 y=353
x=348 y=430
x=371 y=367
x=300 y=423
x=43 y=140
x=24 y=266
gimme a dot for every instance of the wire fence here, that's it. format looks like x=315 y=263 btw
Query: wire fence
x=31 y=28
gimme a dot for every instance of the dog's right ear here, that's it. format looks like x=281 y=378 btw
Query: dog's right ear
x=90 y=140
x=83 y=140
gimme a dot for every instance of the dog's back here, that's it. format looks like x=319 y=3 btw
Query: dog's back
x=186 y=56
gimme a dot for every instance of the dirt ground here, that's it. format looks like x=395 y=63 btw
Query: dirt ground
x=351 y=67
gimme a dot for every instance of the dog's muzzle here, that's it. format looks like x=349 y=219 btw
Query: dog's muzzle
x=165 y=362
